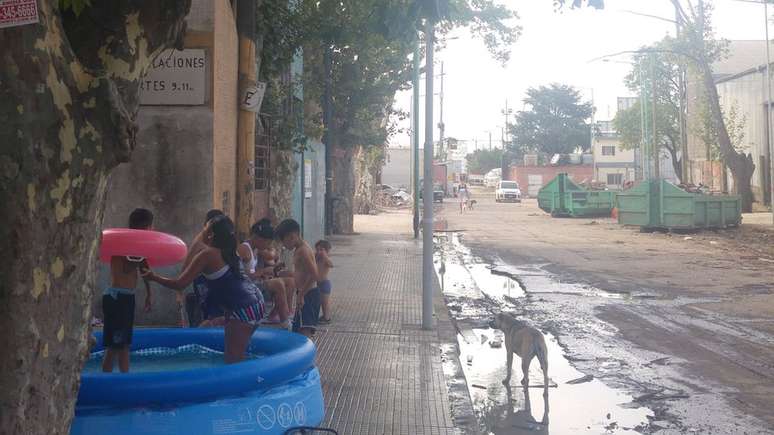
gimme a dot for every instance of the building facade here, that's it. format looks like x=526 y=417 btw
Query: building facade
x=745 y=94
x=613 y=165
x=741 y=82
x=398 y=165
x=532 y=178
x=186 y=158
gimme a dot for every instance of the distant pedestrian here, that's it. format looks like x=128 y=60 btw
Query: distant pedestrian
x=463 y=197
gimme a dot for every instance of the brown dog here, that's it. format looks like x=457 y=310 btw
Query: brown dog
x=526 y=342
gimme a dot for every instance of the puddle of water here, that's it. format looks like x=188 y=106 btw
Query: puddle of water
x=463 y=275
x=474 y=289
x=590 y=407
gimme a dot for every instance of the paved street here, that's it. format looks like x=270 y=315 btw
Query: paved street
x=683 y=323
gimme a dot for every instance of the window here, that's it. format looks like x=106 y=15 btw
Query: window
x=615 y=179
x=262 y=142
x=608 y=150
x=509 y=185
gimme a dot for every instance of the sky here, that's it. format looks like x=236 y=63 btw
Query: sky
x=556 y=47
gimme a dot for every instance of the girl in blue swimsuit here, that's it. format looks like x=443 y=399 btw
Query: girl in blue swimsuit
x=228 y=287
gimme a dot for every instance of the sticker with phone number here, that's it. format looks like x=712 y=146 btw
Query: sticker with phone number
x=18 y=12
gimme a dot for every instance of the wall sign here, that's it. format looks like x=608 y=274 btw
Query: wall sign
x=176 y=78
x=18 y=12
x=307 y=178
x=252 y=97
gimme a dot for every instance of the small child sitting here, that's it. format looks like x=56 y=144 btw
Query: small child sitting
x=324 y=264
x=118 y=300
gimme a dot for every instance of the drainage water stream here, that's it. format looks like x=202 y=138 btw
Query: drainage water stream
x=474 y=290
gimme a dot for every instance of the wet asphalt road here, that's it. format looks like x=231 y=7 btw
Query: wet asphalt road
x=622 y=360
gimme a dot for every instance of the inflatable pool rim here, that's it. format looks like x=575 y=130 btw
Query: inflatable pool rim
x=287 y=355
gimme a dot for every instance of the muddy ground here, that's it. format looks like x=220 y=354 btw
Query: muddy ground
x=665 y=333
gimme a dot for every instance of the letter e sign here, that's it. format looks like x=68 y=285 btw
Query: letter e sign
x=252 y=98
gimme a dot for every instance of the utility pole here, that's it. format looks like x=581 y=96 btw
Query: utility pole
x=645 y=102
x=245 y=197
x=681 y=91
x=327 y=137
x=415 y=137
x=490 y=141
x=591 y=138
x=427 y=197
x=507 y=113
x=441 y=126
x=656 y=160
x=643 y=157
x=768 y=111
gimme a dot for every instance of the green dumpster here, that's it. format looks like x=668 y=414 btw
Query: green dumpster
x=659 y=204
x=562 y=197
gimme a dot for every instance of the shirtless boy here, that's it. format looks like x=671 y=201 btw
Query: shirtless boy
x=304 y=276
x=118 y=300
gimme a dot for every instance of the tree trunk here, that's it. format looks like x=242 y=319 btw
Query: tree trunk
x=343 y=190
x=367 y=168
x=69 y=92
x=282 y=175
x=677 y=163
x=741 y=165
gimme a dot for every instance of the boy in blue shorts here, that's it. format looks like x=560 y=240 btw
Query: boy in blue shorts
x=324 y=264
x=118 y=300
x=304 y=277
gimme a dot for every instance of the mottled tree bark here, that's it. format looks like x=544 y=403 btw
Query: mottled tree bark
x=69 y=92
x=343 y=190
x=741 y=165
x=363 y=201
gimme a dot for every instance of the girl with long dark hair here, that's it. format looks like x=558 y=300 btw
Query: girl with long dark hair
x=228 y=287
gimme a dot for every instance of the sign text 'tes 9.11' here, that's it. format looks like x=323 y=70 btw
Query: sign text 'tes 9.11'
x=175 y=78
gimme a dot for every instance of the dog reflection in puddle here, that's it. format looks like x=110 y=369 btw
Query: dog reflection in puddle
x=522 y=418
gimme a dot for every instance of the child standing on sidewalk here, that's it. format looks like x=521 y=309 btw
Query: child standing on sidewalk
x=324 y=264
x=304 y=277
x=118 y=300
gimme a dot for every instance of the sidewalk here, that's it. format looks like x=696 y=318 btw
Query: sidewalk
x=381 y=373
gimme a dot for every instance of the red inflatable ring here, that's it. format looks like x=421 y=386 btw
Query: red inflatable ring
x=160 y=249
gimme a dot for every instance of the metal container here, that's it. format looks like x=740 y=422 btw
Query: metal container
x=562 y=197
x=659 y=204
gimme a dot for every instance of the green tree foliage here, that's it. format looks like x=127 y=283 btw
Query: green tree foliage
x=556 y=122
x=655 y=69
x=598 y=4
x=701 y=49
x=706 y=130
x=483 y=161
x=370 y=43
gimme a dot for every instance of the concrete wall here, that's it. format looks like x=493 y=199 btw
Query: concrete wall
x=225 y=109
x=532 y=178
x=747 y=94
x=314 y=207
x=397 y=167
x=185 y=156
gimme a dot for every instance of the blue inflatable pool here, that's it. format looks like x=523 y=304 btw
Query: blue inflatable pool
x=278 y=388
